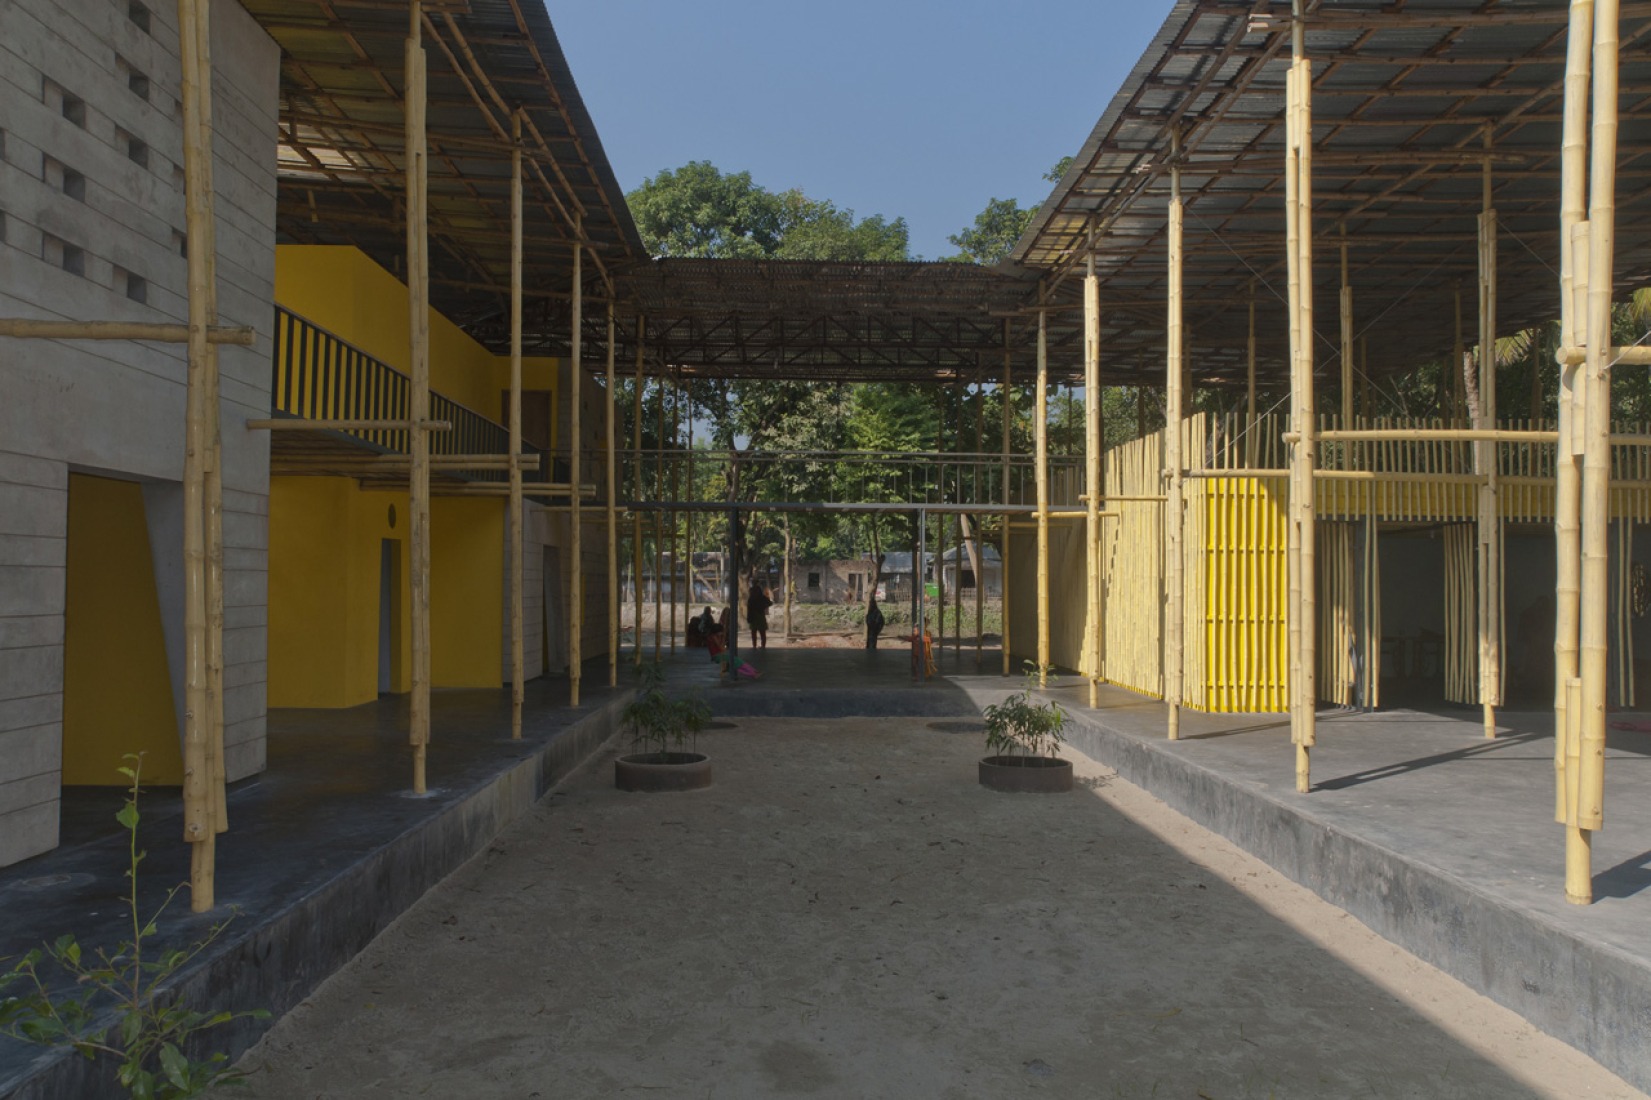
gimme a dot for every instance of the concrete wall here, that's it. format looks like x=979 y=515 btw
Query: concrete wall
x=93 y=216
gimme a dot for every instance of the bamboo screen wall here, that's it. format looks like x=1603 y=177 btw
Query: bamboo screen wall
x=1235 y=657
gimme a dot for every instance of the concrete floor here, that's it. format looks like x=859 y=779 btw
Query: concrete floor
x=847 y=913
x=1420 y=828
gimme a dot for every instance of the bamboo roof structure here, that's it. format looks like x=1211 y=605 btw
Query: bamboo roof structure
x=1405 y=99
x=828 y=320
x=341 y=150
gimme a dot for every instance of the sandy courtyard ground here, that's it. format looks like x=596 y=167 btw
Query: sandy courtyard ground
x=846 y=913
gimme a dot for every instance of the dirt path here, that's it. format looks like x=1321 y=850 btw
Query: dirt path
x=848 y=914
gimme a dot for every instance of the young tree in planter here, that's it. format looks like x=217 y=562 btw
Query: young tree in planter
x=1023 y=738
x=663 y=726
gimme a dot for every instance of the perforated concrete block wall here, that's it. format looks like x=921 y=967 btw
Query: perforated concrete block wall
x=92 y=228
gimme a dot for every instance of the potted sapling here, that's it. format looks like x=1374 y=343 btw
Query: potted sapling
x=1023 y=738
x=666 y=730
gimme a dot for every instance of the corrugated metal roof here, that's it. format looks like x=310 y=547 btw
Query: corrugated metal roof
x=341 y=149
x=1403 y=95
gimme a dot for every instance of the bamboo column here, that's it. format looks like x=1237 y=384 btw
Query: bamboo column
x=418 y=316
x=676 y=517
x=213 y=486
x=1174 y=411
x=1250 y=441
x=518 y=545
x=785 y=580
x=1347 y=377
x=979 y=532
x=1006 y=392
x=1041 y=443
x=613 y=506
x=200 y=829
x=1573 y=282
x=576 y=533
x=1596 y=429
x=636 y=488
x=1298 y=174
x=1485 y=463
x=1092 y=465
x=659 y=519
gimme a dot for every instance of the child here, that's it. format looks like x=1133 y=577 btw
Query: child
x=719 y=654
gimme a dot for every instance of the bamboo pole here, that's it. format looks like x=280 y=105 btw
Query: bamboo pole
x=1298 y=180
x=676 y=495
x=1174 y=426
x=785 y=580
x=199 y=829
x=1092 y=467
x=659 y=522
x=1347 y=377
x=518 y=543
x=1250 y=440
x=1041 y=443
x=576 y=527
x=1485 y=459
x=636 y=488
x=612 y=459
x=1006 y=392
x=979 y=543
x=418 y=316
x=213 y=472
x=1594 y=624
x=25 y=328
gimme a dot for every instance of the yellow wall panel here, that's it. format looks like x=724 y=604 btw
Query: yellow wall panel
x=339 y=288
x=466 y=592
x=117 y=689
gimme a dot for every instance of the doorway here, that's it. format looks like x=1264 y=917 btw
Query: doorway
x=389 y=615
x=554 y=640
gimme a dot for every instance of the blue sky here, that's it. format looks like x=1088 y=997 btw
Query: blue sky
x=922 y=109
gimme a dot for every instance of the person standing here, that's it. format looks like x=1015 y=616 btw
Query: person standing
x=756 y=613
x=874 y=623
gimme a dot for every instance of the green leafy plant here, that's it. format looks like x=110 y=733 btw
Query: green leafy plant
x=1018 y=726
x=659 y=722
x=153 y=1031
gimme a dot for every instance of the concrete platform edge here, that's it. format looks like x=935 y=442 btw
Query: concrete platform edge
x=277 y=962
x=1588 y=995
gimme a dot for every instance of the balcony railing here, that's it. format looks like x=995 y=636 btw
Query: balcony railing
x=320 y=376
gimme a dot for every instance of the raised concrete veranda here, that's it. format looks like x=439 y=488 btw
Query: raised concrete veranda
x=1438 y=839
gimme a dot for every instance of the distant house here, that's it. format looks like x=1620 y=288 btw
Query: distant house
x=991 y=564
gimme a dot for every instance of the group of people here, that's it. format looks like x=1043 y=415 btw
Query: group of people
x=711 y=630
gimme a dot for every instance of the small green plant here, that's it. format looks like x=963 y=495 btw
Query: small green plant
x=153 y=1029
x=1020 y=727
x=659 y=722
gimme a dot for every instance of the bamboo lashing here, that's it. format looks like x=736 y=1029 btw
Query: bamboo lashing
x=418 y=316
x=576 y=527
x=1174 y=427
x=518 y=541
x=27 y=328
x=1040 y=427
x=199 y=830
x=611 y=454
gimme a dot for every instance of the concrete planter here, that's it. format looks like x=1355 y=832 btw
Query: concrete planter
x=1026 y=774
x=662 y=771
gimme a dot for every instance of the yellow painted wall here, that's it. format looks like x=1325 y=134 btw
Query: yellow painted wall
x=117 y=690
x=466 y=592
x=325 y=535
x=339 y=288
x=324 y=562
